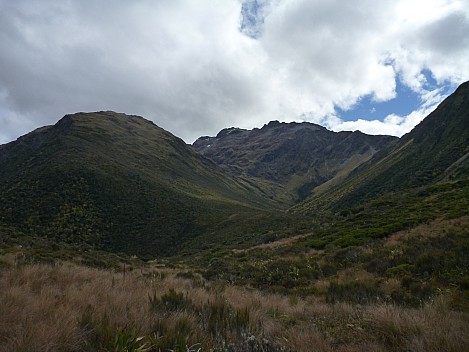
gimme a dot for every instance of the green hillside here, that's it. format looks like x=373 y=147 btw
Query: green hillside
x=115 y=182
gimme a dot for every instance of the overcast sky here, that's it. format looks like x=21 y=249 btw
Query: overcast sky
x=197 y=66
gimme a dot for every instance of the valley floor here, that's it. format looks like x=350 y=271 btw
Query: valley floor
x=66 y=307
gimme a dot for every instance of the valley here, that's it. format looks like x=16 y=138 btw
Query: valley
x=278 y=238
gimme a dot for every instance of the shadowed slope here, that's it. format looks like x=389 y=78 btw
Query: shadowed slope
x=114 y=181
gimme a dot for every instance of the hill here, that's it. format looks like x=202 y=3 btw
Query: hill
x=115 y=182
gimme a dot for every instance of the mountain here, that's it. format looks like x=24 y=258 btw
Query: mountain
x=119 y=183
x=434 y=152
x=290 y=159
x=115 y=182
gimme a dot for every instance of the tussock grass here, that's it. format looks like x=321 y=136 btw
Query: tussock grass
x=432 y=328
x=72 y=308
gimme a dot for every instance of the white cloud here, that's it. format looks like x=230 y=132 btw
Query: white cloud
x=186 y=64
x=339 y=52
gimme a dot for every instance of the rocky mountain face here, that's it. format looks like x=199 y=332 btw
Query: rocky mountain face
x=290 y=159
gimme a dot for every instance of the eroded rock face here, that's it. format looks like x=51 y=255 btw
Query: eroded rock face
x=295 y=156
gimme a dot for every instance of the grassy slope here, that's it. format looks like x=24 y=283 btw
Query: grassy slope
x=116 y=182
x=70 y=308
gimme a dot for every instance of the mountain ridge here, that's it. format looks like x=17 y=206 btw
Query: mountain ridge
x=292 y=158
x=115 y=182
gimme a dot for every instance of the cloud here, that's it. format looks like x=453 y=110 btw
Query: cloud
x=334 y=53
x=162 y=60
x=436 y=40
x=195 y=67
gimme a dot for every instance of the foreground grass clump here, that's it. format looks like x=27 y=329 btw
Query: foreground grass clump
x=72 y=308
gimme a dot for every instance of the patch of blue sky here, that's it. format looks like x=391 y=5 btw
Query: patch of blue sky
x=431 y=84
x=405 y=102
x=252 y=18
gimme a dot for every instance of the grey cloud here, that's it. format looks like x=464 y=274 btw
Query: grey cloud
x=329 y=46
x=154 y=71
x=447 y=36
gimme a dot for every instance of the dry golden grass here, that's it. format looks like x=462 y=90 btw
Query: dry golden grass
x=72 y=308
x=438 y=227
x=351 y=274
x=390 y=285
x=432 y=328
x=283 y=242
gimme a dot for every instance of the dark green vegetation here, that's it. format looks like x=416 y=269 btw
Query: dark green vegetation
x=409 y=268
x=115 y=182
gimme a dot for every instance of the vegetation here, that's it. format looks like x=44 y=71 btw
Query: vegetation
x=63 y=307
x=392 y=212
x=421 y=263
x=117 y=183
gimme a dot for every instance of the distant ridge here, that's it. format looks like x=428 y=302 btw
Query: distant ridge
x=290 y=159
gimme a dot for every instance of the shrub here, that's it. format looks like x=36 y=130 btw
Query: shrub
x=400 y=269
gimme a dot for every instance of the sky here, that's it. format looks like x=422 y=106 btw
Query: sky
x=195 y=67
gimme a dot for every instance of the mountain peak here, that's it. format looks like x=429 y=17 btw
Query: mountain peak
x=275 y=124
x=111 y=116
x=229 y=132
